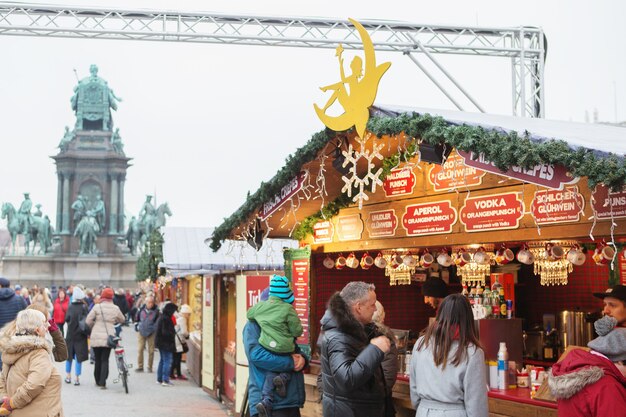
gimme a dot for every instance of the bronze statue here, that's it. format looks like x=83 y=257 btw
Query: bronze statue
x=99 y=212
x=67 y=138
x=116 y=141
x=87 y=232
x=80 y=208
x=133 y=235
x=92 y=101
x=146 y=216
x=37 y=228
x=24 y=215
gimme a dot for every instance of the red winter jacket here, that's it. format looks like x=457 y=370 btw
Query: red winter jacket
x=588 y=385
x=60 y=308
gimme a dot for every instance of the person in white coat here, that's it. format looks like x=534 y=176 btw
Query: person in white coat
x=447 y=370
x=182 y=334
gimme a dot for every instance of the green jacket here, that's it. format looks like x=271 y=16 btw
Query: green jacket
x=279 y=324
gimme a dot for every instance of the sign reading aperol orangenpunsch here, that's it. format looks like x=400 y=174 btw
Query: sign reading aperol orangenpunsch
x=431 y=218
x=382 y=223
x=454 y=173
x=399 y=182
x=492 y=212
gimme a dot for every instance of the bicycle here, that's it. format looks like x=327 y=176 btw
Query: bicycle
x=122 y=366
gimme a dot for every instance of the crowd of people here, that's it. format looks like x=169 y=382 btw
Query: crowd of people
x=73 y=325
x=447 y=373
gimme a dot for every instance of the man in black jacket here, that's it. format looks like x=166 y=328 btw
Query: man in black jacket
x=10 y=304
x=352 y=351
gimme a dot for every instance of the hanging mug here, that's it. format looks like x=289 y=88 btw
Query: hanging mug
x=444 y=259
x=352 y=261
x=328 y=262
x=481 y=257
x=366 y=261
x=504 y=256
x=380 y=261
x=576 y=256
x=409 y=260
x=525 y=256
x=340 y=263
x=462 y=258
x=554 y=252
x=427 y=259
x=603 y=254
x=396 y=260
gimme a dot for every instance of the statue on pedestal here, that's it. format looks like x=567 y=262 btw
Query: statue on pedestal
x=80 y=208
x=87 y=232
x=116 y=141
x=65 y=141
x=24 y=215
x=92 y=101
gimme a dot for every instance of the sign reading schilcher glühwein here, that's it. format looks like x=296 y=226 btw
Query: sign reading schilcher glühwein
x=492 y=212
x=557 y=206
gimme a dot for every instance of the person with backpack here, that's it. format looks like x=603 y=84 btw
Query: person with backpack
x=146 y=327
x=76 y=335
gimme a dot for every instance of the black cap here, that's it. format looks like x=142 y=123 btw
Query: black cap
x=435 y=287
x=4 y=283
x=618 y=291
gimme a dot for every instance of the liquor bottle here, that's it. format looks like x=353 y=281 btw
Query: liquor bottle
x=487 y=302
x=496 y=285
x=550 y=344
x=479 y=295
x=503 y=363
x=502 y=303
x=464 y=292
x=495 y=304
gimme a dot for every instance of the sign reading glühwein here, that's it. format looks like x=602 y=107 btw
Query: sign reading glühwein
x=323 y=231
x=550 y=176
x=608 y=204
x=285 y=194
x=429 y=218
x=349 y=227
x=492 y=212
x=453 y=174
x=399 y=182
x=381 y=223
x=557 y=206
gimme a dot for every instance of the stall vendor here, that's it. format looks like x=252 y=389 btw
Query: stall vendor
x=434 y=291
x=614 y=303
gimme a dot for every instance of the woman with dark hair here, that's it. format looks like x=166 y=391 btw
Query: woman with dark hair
x=165 y=341
x=447 y=371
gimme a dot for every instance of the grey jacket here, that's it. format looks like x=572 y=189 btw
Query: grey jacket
x=457 y=391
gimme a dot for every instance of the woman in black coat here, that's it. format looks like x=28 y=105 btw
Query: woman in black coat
x=75 y=338
x=166 y=343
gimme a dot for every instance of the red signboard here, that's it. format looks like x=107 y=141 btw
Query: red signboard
x=255 y=284
x=349 y=227
x=288 y=191
x=429 y=218
x=454 y=174
x=300 y=277
x=557 y=206
x=208 y=290
x=381 y=223
x=323 y=231
x=492 y=212
x=399 y=182
x=550 y=176
x=608 y=204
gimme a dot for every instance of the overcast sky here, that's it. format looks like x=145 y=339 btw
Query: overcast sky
x=205 y=124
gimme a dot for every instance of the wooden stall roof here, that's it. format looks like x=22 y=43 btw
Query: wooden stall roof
x=594 y=152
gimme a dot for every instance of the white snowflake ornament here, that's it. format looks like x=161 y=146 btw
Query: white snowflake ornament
x=352 y=179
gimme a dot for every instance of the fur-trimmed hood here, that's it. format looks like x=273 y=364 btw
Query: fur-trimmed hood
x=339 y=316
x=14 y=347
x=579 y=370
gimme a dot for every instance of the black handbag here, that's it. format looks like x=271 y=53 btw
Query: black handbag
x=82 y=324
x=184 y=344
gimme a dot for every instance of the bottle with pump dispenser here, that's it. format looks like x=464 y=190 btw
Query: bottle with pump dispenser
x=503 y=364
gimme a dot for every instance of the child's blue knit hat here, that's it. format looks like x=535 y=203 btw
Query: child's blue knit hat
x=279 y=287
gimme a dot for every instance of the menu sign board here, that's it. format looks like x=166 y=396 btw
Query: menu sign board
x=349 y=227
x=429 y=218
x=381 y=223
x=323 y=231
x=549 y=176
x=608 y=204
x=288 y=191
x=492 y=212
x=557 y=206
x=399 y=182
x=300 y=281
x=454 y=173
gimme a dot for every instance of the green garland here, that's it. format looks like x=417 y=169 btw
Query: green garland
x=505 y=150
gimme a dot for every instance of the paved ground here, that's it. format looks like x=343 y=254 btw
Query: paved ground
x=145 y=397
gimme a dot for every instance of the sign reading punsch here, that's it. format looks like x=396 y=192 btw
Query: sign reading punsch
x=608 y=204
x=492 y=212
x=429 y=218
x=453 y=174
x=399 y=182
x=381 y=223
x=557 y=206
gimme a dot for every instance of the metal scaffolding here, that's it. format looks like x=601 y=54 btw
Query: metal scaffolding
x=524 y=46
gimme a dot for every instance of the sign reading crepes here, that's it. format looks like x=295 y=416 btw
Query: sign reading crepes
x=381 y=223
x=550 y=176
x=557 y=206
x=323 y=231
x=399 y=182
x=453 y=174
x=608 y=204
x=300 y=280
x=285 y=194
x=349 y=227
x=492 y=212
x=429 y=218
